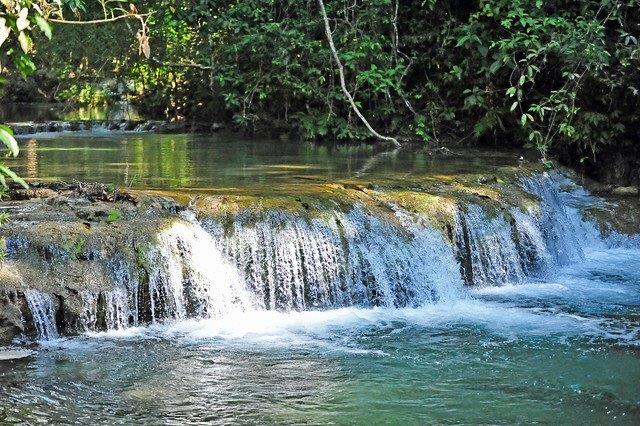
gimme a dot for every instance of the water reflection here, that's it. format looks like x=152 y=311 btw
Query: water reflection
x=227 y=162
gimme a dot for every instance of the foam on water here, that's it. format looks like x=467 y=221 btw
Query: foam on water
x=338 y=329
x=606 y=276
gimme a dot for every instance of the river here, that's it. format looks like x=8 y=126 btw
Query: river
x=558 y=344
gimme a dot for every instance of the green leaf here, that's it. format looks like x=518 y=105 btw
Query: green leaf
x=43 y=25
x=17 y=179
x=23 y=63
x=495 y=66
x=513 y=106
x=9 y=141
x=114 y=215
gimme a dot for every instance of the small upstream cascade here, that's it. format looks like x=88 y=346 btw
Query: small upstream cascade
x=280 y=261
x=95 y=126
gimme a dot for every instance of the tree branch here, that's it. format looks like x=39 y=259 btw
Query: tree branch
x=343 y=83
x=182 y=64
x=99 y=21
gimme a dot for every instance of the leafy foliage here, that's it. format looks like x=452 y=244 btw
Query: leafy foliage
x=17 y=21
x=557 y=75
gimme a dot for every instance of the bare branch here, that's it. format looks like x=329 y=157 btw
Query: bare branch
x=181 y=64
x=100 y=21
x=343 y=83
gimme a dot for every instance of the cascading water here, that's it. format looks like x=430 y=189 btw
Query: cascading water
x=43 y=314
x=490 y=246
x=526 y=241
x=288 y=291
x=564 y=230
x=191 y=278
x=346 y=259
x=280 y=261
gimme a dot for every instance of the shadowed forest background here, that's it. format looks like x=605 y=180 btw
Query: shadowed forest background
x=558 y=76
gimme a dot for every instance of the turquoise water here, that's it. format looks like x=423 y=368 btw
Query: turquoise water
x=562 y=350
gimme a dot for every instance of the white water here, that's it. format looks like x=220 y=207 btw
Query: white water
x=43 y=313
x=192 y=278
x=346 y=259
x=567 y=306
x=53 y=129
x=280 y=277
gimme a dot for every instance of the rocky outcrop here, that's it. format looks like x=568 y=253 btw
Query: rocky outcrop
x=26 y=128
x=65 y=241
x=154 y=126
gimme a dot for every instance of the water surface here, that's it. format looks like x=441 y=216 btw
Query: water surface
x=559 y=348
x=555 y=351
x=230 y=164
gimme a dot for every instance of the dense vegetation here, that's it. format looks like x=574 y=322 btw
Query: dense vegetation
x=559 y=75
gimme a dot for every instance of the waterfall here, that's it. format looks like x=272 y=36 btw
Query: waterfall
x=342 y=259
x=279 y=260
x=490 y=246
x=520 y=242
x=43 y=314
x=565 y=231
x=190 y=277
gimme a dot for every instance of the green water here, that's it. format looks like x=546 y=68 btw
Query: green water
x=230 y=163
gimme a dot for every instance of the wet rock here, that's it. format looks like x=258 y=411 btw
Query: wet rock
x=28 y=128
x=174 y=127
x=625 y=191
x=14 y=354
x=11 y=320
x=216 y=127
x=484 y=180
x=61 y=242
